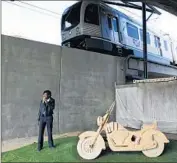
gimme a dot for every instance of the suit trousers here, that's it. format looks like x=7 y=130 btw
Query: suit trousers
x=45 y=121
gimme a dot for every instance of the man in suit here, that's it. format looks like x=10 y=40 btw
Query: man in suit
x=47 y=105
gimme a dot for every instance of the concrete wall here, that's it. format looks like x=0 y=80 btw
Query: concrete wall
x=81 y=82
x=28 y=68
x=146 y=102
x=135 y=67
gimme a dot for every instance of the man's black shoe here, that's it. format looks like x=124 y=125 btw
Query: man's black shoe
x=52 y=147
x=39 y=149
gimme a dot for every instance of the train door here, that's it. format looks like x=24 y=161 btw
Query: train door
x=109 y=26
x=115 y=29
x=158 y=45
x=106 y=26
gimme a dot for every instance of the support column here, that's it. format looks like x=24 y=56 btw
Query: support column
x=144 y=40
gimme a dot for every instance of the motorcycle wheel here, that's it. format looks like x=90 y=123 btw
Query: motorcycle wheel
x=86 y=151
x=155 y=152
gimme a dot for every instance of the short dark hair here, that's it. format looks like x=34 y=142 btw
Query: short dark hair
x=49 y=93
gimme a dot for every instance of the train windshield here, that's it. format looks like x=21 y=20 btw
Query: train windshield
x=71 y=17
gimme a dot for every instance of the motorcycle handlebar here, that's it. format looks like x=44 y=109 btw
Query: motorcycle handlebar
x=111 y=107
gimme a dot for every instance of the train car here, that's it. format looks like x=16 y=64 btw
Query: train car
x=91 y=25
x=96 y=26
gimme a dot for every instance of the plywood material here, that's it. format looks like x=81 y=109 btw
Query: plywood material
x=148 y=140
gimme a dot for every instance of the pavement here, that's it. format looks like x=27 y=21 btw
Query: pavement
x=12 y=144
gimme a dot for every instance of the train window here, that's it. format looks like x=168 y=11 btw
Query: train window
x=132 y=31
x=157 y=42
x=166 y=45
x=115 y=23
x=72 y=17
x=147 y=36
x=91 y=14
x=109 y=23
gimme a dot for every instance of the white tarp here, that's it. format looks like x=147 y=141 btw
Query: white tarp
x=145 y=102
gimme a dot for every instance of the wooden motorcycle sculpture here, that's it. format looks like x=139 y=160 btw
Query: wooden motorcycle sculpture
x=149 y=140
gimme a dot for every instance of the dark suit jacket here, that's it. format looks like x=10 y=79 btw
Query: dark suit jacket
x=46 y=109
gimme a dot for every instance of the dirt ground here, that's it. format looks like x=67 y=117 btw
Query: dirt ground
x=20 y=142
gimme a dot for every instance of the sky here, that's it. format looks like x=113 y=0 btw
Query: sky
x=22 y=20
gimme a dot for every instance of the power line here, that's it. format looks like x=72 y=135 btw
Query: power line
x=130 y=12
x=31 y=9
x=34 y=6
x=136 y=15
x=40 y=8
x=151 y=22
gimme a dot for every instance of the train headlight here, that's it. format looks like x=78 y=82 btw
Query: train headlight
x=77 y=31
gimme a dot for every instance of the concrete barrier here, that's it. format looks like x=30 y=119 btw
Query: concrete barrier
x=81 y=82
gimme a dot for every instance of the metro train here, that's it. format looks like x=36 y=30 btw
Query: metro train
x=95 y=26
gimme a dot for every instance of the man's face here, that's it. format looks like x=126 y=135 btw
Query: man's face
x=45 y=95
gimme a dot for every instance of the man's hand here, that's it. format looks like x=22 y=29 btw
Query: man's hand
x=44 y=99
